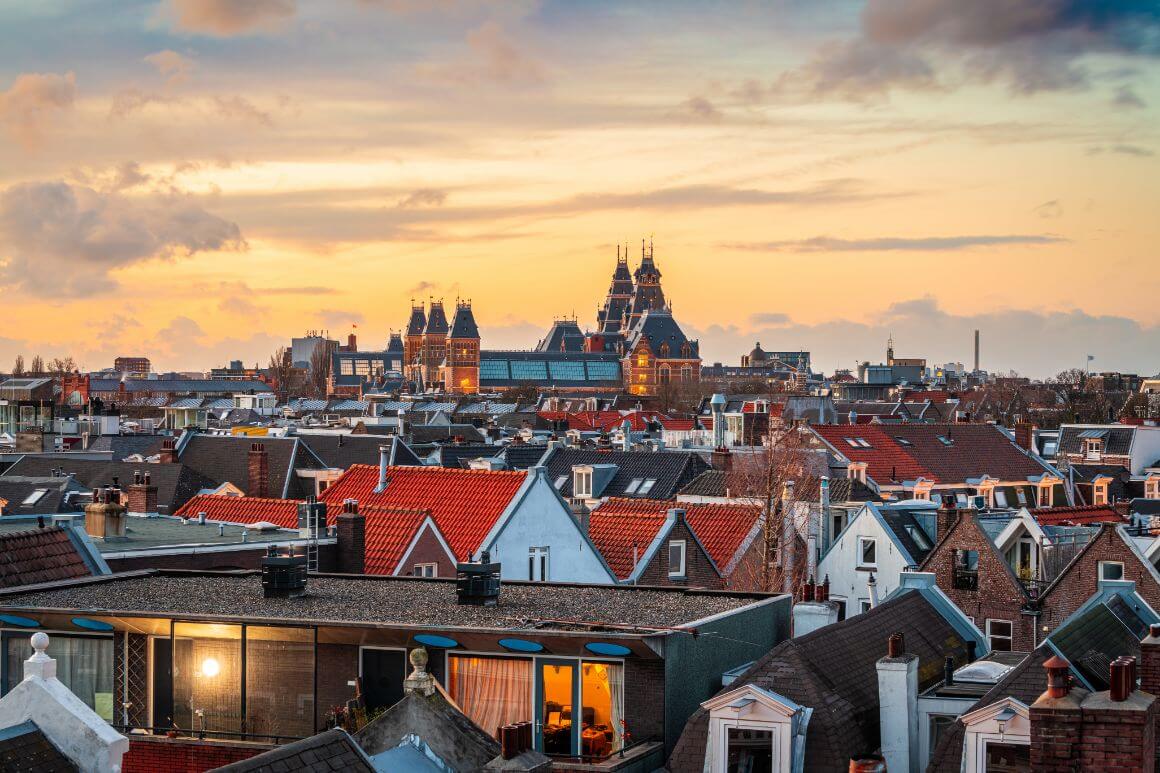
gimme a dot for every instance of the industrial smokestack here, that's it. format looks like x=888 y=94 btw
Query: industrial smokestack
x=976 y=350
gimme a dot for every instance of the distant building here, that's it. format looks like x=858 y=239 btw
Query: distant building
x=136 y=366
x=791 y=368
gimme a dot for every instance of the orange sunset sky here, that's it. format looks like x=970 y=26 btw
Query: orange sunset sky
x=199 y=181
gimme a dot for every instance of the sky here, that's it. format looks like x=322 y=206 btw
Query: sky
x=199 y=180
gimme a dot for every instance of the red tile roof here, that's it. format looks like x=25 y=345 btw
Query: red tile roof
x=39 y=555
x=464 y=504
x=1077 y=516
x=721 y=528
x=244 y=510
x=615 y=534
x=389 y=531
x=975 y=450
x=678 y=425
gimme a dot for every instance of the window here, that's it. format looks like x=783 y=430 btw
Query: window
x=838 y=522
x=493 y=692
x=646 y=487
x=676 y=558
x=1045 y=496
x=35 y=496
x=851 y=442
x=1021 y=495
x=903 y=441
x=864 y=604
x=1152 y=487
x=857 y=442
x=965 y=571
x=83 y=663
x=582 y=483
x=1092 y=448
x=999 y=635
x=686 y=374
x=538 y=568
x=1111 y=570
x=867 y=552
x=961 y=499
x=1000 y=498
x=939 y=724
x=749 y=750
x=946 y=441
x=1100 y=493
x=919 y=536
x=633 y=485
x=426 y=570
x=664 y=374
x=560 y=481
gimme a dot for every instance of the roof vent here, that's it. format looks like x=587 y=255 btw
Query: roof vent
x=478 y=584
x=283 y=576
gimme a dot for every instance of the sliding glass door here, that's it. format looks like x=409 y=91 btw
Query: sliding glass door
x=556 y=704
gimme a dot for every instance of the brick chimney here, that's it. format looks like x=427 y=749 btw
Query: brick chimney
x=105 y=515
x=142 y=495
x=945 y=519
x=258 y=484
x=898 y=705
x=722 y=459
x=351 y=533
x=1024 y=435
x=1150 y=661
x=1057 y=721
x=168 y=452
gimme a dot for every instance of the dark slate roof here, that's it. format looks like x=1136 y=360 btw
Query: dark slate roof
x=834 y=671
x=671 y=470
x=18 y=489
x=323 y=753
x=452 y=455
x=395 y=346
x=343 y=450
x=417 y=322
x=175 y=483
x=565 y=336
x=463 y=324
x=841 y=490
x=657 y=326
x=1095 y=637
x=1026 y=682
x=420 y=434
x=436 y=319
x=1117 y=438
x=178 y=386
x=453 y=737
x=1145 y=506
x=25 y=748
x=909 y=532
x=220 y=458
x=39 y=555
x=710 y=483
x=523 y=456
x=127 y=445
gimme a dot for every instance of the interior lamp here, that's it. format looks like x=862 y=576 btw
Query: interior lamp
x=210 y=668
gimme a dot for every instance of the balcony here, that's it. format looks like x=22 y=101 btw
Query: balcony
x=965 y=579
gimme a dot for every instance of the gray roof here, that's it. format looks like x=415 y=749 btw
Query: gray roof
x=51 y=499
x=565 y=336
x=127 y=445
x=24 y=747
x=446 y=731
x=177 y=386
x=436 y=319
x=332 y=750
x=221 y=458
x=175 y=483
x=463 y=323
x=1117 y=438
x=671 y=470
x=384 y=600
x=658 y=327
x=164 y=531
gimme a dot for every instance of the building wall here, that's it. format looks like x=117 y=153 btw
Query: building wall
x=249 y=558
x=429 y=550
x=149 y=754
x=542 y=519
x=999 y=595
x=699 y=571
x=644 y=699
x=337 y=665
x=841 y=563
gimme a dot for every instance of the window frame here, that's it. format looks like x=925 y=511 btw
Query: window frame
x=544 y=554
x=862 y=562
x=1103 y=564
x=421 y=570
x=1009 y=637
x=580 y=477
x=684 y=553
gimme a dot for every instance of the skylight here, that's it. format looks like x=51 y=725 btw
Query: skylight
x=857 y=442
x=633 y=486
x=903 y=441
x=560 y=481
x=35 y=496
x=946 y=441
x=646 y=486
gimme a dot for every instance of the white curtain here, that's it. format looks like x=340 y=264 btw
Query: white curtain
x=616 y=690
x=493 y=692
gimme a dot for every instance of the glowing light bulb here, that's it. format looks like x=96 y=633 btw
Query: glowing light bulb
x=210 y=667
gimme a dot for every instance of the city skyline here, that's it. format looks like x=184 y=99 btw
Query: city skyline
x=197 y=183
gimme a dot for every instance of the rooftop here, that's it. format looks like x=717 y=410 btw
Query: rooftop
x=382 y=600
x=164 y=531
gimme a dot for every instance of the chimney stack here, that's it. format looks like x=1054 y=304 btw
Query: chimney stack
x=142 y=495
x=351 y=528
x=384 y=462
x=259 y=471
x=976 y=351
x=722 y=459
x=105 y=516
x=1025 y=436
x=898 y=706
x=168 y=452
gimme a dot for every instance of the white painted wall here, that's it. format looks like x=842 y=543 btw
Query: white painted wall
x=541 y=518
x=841 y=562
x=1145 y=448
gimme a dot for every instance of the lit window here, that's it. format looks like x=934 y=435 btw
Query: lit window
x=676 y=558
x=999 y=635
x=1111 y=570
x=868 y=551
x=1100 y=493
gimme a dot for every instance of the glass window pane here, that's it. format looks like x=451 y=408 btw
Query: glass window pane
x=750 y=751
x=602 y=712
x=280 y=681
x=84 y=664
x=492 y=691
x=207 y=677
x=558 y=712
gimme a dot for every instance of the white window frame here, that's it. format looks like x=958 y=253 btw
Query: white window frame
x=1100 y=493
x=862 y=552
x=681 y=571
x=539 y=563
x=1111 y=563
x=425 y=570
x=582 y=483
x=1010 y=638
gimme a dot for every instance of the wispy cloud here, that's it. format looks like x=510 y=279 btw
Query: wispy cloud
x=33 y=100
x=225 y=18
x=894 y=243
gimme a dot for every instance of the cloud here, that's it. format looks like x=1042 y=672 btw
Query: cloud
x=769 y=318
x=61 y=239
x=172 y=66
x=33 y=100
x=1049 y=209
x=1036 y=343
x=1121 y=149
x=493 y=58
x=895 y=243
x=225 y=18
x=242 y=109
x=424 y=197
x=240 y=305
x=1127 y=98
x=183 y=344
x=1031 y=45
x=421 y=288
x=339 y=319
x=701 y=109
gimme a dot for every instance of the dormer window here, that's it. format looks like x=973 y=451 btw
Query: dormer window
x=1100 y=491
x=1152 y=486
x=1046 y=495
x=686 y=350
x=582 y=483
x=1093 y=447
x=664 y=350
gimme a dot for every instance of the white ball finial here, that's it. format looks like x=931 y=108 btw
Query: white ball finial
x=40 y=642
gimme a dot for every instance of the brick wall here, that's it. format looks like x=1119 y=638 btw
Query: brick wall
x=428 y=550
x=1088 y=731
x=699 y=571
x=149 y=754
x=351 y=532
x=142 y=498
x=337 y=665
x=999 y=595
x=258 y=468
x=1081 y=579
x=644 y=699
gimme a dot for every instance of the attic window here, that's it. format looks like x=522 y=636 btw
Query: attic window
x=946 y=441
x=919 y=536
x=903 y=441
x=34 y=497
x=1021 y=495
x=582 y=483
x=646 y=486
x=857 y=442
x=1000 y=498
x=560 y=481
x=633 y=486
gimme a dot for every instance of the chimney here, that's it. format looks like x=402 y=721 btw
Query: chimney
x=946 y=517
x=259 y=471
x=142 y=495
x=168 y=452
x=384 y=462
x=351 y=527
x=352 y=343
x=283 y=576
x=898 y=706
x=872 y=588
x=105 y=516
x=1025 y=436
x=1150 y=661
x=722 y=459
x=582 y=514
x=856 y=471
x=976 y=351
x=809 y=616
x=1056 y=721
x=478 y=584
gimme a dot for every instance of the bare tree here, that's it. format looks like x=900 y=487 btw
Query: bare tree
x=280 y=369
x=320 y=371
x=61 y=366
x=37 y=367
x=18 y=366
